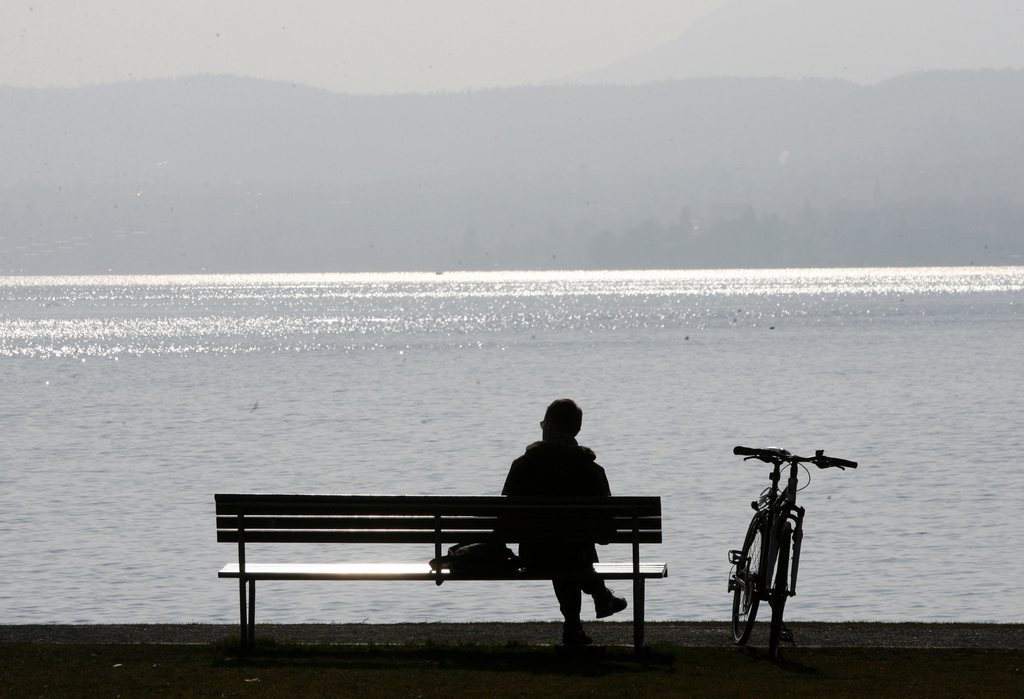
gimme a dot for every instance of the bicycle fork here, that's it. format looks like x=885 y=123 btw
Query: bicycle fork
x=797 y=515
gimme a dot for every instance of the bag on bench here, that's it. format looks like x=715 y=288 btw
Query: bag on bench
x=478 y=558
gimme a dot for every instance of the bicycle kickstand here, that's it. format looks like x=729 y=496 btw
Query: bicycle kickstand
x=787 y=635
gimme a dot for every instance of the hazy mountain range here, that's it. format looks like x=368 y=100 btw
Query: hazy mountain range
x=231 y=174
x=865 y=41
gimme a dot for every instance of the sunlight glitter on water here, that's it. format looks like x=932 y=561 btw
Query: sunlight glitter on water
x=107 y=316
x=830 y=280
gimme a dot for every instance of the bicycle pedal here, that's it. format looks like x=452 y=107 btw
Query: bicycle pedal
x=787 y=636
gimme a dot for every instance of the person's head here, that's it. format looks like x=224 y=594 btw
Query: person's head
x=563 y=418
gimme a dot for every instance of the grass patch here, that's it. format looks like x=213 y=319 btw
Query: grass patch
x=447 y=670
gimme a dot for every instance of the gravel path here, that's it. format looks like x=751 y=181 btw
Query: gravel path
x=684 y=634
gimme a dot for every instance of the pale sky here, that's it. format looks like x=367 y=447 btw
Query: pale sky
x=358 y=46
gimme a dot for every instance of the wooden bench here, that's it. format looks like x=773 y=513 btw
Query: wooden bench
x=435 y=521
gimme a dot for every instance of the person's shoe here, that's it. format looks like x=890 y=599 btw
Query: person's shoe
x=575 y=637
x=606 y=606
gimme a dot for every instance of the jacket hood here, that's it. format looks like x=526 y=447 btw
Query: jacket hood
x=564 y=451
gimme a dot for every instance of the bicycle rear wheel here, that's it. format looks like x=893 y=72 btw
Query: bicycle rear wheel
x=745 y=589
x=780 y=590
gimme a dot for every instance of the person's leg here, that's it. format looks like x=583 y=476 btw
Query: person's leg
x=594 y=587
x=605 y=601
x=570 y=599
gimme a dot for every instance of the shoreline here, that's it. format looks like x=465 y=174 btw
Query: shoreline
x=695 y=634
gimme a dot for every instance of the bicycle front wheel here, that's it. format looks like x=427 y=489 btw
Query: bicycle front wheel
x=745 y=585
x=779 y=591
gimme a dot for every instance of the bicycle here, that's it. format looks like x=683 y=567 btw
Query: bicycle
x=765 y=569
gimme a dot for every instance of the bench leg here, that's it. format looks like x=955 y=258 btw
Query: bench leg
x=638 y=614
x=247 y=613
x=251 y=641
x=243 y=636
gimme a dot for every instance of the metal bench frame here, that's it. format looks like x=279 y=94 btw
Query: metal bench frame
x=438 y=520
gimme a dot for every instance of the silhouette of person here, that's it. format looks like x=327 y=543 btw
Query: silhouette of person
x=558 y=465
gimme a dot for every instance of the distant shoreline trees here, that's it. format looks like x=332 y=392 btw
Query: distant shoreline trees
x=222 y=174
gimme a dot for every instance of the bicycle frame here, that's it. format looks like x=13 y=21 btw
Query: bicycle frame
x=778 y=508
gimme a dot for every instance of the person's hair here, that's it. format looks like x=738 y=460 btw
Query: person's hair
x=563 y=415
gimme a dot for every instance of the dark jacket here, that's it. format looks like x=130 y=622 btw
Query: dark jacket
x=555 y=469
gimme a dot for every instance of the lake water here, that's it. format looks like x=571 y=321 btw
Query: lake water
x=129 y=401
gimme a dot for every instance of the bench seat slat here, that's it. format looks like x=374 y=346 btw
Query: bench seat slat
x=413 y=571
x=431 y=523
x=411 y=505
x=389 y=536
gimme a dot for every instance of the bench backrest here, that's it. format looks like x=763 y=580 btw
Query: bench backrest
x=436 y=519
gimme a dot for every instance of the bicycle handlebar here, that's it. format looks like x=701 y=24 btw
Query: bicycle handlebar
x=774 y=455
x=827 y=461
x=763 y=454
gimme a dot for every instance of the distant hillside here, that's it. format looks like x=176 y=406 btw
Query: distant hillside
x=231 y=174
x=865 y=41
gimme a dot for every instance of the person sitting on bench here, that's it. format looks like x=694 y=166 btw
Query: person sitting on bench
x=558 y=465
